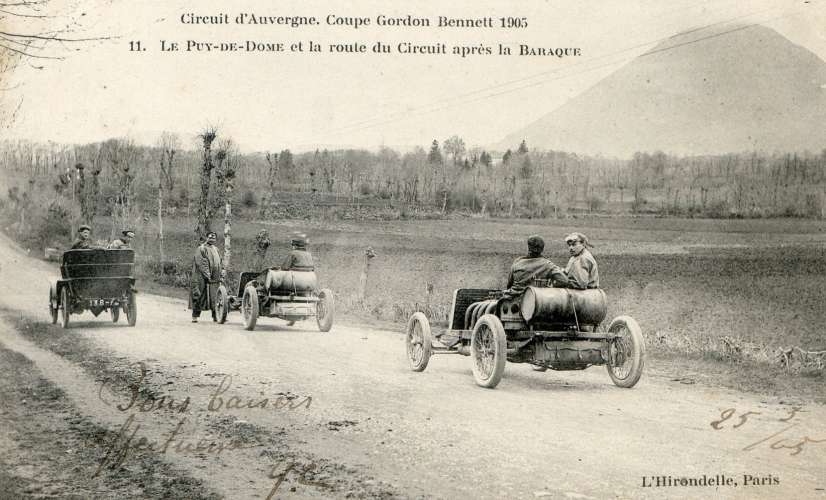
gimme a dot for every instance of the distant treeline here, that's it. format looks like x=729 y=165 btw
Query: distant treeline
x=121 y=179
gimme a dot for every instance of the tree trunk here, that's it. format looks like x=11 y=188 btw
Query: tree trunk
x=227 y=228
x=160 y=221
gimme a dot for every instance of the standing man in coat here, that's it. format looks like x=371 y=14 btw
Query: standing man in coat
x=206 y=276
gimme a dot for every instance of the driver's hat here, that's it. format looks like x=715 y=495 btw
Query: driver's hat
x=578 y=237
x=84 y=226
x=298 y=240
x=128 y=232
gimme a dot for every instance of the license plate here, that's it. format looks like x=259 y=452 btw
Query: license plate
x=98 y=302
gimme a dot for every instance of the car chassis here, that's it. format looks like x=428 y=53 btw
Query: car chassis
x=292 y=304
x=554 y=328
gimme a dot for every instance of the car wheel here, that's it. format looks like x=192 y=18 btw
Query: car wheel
x=132 y=309
x=53 y=307
x=626 y=354
x=488 y=350
x=419 y=341
x=249 y=307
x=66 y=309
x=221 y=304
x=325 y=310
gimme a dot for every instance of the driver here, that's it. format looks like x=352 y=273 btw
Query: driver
x=84 y=240
x=299 y=259
x=534 y=266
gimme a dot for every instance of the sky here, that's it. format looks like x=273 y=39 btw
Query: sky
x=300 y=100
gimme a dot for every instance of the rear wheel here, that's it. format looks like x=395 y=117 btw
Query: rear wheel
x=115 y=312
x=53 y=307
x=249 y=307
x=325 y=310
x=221 y=304
x=66 y=307
x=488 y=350
x=132 y=309
x=418 y=340
x=626 y=354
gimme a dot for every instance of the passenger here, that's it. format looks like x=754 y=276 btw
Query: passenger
x=299 y=259
x=125 y=241
x=83 y=240
x=527 y=269
x=582 y=269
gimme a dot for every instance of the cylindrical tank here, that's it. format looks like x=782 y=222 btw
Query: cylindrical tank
x=298 y=281
x=557 y=305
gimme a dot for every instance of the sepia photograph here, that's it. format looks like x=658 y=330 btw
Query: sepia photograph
x=413 y=250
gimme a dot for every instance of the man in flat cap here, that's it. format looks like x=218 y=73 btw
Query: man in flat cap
x=582 y=269
x=533 y=267
x=206 y=276
x=125 y=240
x=84 y=238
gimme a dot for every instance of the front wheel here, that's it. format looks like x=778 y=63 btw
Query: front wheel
x=221 y=304
x=488 y=350
x=115 y=312
x=418 y=340
x=53 y=307
x=325 y=310
x=249 y=307
x=66 y=308
x=132 y=309
x=626 y=354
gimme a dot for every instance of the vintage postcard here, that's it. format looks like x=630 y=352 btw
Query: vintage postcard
x=361 y=249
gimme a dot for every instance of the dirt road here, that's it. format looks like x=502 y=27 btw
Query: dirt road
x=339 y=414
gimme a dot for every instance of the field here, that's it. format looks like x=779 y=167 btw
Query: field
x=741 y=288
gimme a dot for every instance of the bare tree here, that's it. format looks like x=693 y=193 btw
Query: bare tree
x=168 y=144
x=35 y=32
x=207 y=138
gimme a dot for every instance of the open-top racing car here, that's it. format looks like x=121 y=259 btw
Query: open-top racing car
x=96 y=280
x=298 y=298
x=556 y=328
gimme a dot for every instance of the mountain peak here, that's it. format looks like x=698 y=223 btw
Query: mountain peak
x=712 y=90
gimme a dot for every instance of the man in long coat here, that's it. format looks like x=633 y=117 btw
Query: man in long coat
x=206 y=276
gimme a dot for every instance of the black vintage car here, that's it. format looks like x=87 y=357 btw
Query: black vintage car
x=556 y=328
x=96 y=280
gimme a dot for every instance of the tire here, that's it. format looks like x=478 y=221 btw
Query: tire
x=66 y=309
x=325 y=310
x=249 y=307
x=132 y=309
x=53 y=304
x=419 y=341
x=115 y=312
x=626 y=354
x=539 y=368
x=488 y=350
x=290 y=323
x=221 y=304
